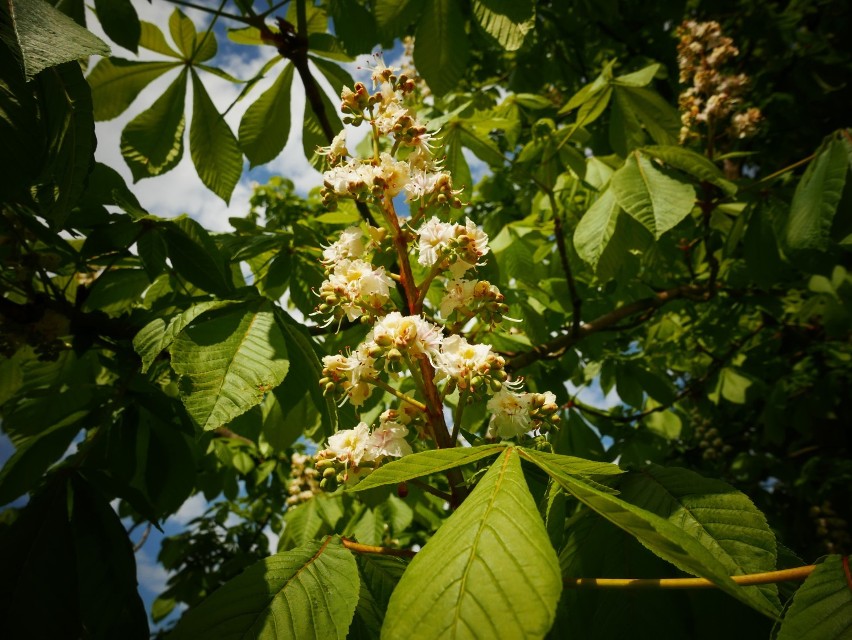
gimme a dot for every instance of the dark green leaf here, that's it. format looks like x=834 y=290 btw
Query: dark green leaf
x=596 y=227
x=393 y=16
x=309 y=592
x=120 y=22
x=47 y=37
x=822 y=607
x=442 y=45
x=692 y=163
x=196 y=257
x=507 y=21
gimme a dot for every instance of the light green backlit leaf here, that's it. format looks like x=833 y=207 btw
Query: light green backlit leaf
x=488 y=572
x=265 y=126
x=507 y=21
x=228 y=362
x=116 y=83
x=822 y=607
x=596 y=228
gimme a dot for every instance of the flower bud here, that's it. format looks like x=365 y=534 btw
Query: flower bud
x=329 y=472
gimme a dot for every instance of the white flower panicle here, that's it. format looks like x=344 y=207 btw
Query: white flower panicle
x=408 y=347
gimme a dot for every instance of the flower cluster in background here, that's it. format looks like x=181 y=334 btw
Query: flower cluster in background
x=715 y=98
x=408 y=354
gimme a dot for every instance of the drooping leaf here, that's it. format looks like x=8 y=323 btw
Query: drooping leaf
x=120 y=22
x=507 y=21
x=596 y=227
x=817 y=196
x=228 y=361
x=214 y=149
x=822 y=606
x=667 y=539
x=692 y=163
x=265 y=126
x=655 y=200
x=442 y=45
x=379 y=577
x=152 y=143
x=489 y=571
x=309 y=592
x=116 y=83
x=47 y=37
x=425 y=463
x=721 y=518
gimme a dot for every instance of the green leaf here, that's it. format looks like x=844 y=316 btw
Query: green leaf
x=265 y=126
x=157 y=335
x=640 y=78
x=656 y=201
x=668 y=539
x=32 y=457
x=822 y=606
x=596 y=227
x=116 y=83
x=817 y=196
x=692 y=163
x=442 y=48
x=394 y=16
x=47 y=37
x=120 y=22
x=489 y=570
x=313 y=135
x=645 y=106
x=354 y=25
x=213 y=147
x=719 y=517
x=309 y=592
x=379 y=577
x=152 y=143
x=196 y=257
x=507 y=21
x=183 y=33
x=228 y=362
x=426 y=463
x=153 y=39
x=574 y=466
x=116 y=291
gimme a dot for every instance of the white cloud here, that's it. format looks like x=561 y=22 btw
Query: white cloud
x=273 y=539
x=193 y=508
x=151 y=575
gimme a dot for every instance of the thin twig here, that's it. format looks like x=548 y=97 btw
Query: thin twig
x=428 y=488
x=576 y=301
x=394 y=392
x=769 y=577
x=357 y=547
x=143 y=539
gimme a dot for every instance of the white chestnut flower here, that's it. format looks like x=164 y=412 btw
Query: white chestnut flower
x=410 y=333
x=389 y=440
x=434 y=237
x=349 y=245
x=510 y=413
x=462 y=360
x=350 y=445
x=359 y=284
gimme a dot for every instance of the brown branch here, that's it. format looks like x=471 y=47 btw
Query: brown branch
x=143 y=539
x=428 y=488
x=769 y=577
x=357 y=547
x=607 y=322
x=576 y=301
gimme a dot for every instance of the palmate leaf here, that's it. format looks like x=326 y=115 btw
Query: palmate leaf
x=489 y=570
x=655 y=200
x=228 y=361
x=596 y=227
x=265 y=126
x=822 y=606
x=116 y=83
x=426 y=463
x=309 y=592
x=213 y=147
x=669 y=539
x=152 y=143
x=442 y=45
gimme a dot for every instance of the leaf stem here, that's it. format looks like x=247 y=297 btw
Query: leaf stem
x=769 y=577
x=357 y=547
x=395 y=392
x=457 y=416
